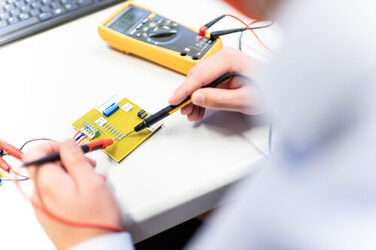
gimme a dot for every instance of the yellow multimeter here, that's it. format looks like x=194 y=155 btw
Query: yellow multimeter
x=137 y=30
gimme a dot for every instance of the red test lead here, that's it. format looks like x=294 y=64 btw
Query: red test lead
x=99 y=144
x=11 y=150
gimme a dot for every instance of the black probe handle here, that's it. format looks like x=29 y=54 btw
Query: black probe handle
x=52 y=157
x=163 y=113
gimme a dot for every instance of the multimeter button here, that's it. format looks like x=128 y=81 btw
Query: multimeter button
x=151 y=16
x=174 y=25
x=185 y=51
x=196 y=56
x=159 y=21
x=167 y=22
x=144 y=34
x=145 y=29
x=138 y=34
x=139 y=26
x=152 y=24
x=145 y=20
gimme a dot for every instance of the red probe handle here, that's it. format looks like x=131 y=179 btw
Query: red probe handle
x=4 y=165
x=11 y=150
x=202 y=31
x=99 y=144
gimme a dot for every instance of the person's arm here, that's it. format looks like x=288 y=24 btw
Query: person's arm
x=73 y=191
x=233 y=95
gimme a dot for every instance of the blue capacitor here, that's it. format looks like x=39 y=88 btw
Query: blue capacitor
x=110 y=109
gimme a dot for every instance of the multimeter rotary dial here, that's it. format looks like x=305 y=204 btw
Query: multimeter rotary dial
x=162 y=30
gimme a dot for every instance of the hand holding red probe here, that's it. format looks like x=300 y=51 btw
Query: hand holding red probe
x=75 y=194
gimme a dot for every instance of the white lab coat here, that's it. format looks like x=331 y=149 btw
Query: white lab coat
x=318 y=190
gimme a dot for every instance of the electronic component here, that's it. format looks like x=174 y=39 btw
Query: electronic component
x=116 y=127
x=111 y=109
x=142 y=114
x=90 y=130
x=101 y=122
x=127 y=107
x=137 y=30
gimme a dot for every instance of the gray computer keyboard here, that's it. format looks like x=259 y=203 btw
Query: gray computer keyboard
x=21 y=18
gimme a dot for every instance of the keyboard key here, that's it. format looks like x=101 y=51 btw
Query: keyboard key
x=55 y=5
x=13 y=20
x=36 y=5
x=9 y=7
x=24 y=16
x=20 y=3
x=35 y=12
x=15 y=12
x=45 y=8
x=71 y=6
x=26 y=8
x=84 y=2
x=59 y=11
x=67 y=1
x=45 y=16
x=3 y=24
x=4 y=16
x=19 y=25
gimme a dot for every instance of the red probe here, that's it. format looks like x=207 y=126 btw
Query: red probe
x=10 y=150
x=99 y=144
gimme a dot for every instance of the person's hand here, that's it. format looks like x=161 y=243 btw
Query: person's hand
x=234 y=95
x=75 y=193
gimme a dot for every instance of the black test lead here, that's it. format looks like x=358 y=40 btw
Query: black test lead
x=163 y=113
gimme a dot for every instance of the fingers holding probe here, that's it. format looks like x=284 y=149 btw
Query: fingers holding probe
x=234 y=94
x=72 y=168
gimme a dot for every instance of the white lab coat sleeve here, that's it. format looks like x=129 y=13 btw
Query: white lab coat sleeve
x=113 y=241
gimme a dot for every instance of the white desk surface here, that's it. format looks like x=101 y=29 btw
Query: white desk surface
x=51 y=79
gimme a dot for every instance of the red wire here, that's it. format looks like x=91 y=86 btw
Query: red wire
x=81 y=140
x=61 y=219
x=76 y=134
x=253 y=32
x=18 y=174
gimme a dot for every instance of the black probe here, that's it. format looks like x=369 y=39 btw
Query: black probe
x=163 y=113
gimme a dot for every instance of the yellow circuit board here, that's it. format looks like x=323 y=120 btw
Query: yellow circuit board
x=115 y=126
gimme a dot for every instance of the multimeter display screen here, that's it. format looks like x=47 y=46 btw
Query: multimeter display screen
x=127 y=20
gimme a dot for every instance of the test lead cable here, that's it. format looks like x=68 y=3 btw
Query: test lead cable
x=215 y=34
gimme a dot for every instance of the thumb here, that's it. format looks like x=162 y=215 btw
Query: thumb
x=74 y=161
x=221 y=99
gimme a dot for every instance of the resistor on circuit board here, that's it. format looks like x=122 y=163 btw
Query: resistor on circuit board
x=90 y=130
